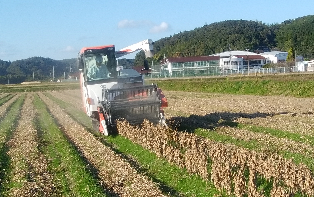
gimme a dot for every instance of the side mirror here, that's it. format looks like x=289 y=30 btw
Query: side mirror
x=80 y=63
x=146 y=67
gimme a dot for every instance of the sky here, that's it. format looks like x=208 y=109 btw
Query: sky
x=58 y=29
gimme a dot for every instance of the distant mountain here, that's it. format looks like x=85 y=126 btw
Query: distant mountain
x=291 y=35
x=35 y=68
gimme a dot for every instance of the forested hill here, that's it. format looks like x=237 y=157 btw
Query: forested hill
x=35 y=68
x=291 y=35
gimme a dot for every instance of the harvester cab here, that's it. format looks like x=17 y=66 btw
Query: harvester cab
x=110 y=92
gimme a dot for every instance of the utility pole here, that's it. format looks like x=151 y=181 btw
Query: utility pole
x=248 y=66
x=248 y=62
x=295 y=58
x=53 y=73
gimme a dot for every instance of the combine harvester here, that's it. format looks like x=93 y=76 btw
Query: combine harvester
x=111 y=92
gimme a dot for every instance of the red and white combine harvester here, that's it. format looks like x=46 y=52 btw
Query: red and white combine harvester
x=111 y=92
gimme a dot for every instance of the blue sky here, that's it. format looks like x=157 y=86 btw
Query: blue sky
x=58 y=29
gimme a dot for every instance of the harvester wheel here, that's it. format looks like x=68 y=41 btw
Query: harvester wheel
x=162 y=120
x=104 y=125
x=95 y=124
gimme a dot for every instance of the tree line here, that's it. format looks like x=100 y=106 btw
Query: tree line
x=294 y=36
x=35 y=69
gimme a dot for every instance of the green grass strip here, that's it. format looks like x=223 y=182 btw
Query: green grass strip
x=214 y=136
x=7 y=126
x=71 y=174
x=177 y=180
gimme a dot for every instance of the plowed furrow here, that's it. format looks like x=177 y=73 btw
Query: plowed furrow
x=113 y=170
x=29 y=173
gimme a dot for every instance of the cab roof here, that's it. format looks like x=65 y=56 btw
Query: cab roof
x=96 y=47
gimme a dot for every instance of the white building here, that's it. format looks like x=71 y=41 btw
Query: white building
x=310 y=65
x=275 y=56
x=303 y=66
x=238 y=60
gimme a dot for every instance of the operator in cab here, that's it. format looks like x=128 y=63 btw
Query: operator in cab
x=97 y=67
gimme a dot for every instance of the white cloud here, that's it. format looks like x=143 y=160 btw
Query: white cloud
x=132 y=24
x=160 y=28
x=69 y=49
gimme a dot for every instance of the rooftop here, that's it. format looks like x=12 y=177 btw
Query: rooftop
x=192 y=59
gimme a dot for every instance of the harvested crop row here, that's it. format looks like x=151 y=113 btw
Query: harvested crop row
x=7 y=123
x=291 y=122
x=3 y=95
x=4 y=107
x=75 y=101
x=238 y=103
x=296 y=119
x=114 y=171
x=268 y=141
x=29 y=174
x=228 y=163
x=290 y=114
x=73 y=176
x=76 y=94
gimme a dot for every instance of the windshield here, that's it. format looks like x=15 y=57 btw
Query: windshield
x=100 y=66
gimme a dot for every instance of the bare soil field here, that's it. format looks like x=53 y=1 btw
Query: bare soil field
x=240 y=144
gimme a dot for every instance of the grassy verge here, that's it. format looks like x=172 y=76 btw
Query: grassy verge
x=298 y=85
x=72 y=177
x=6 y=131
x=171 y=178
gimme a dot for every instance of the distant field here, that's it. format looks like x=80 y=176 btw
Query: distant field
x=38 y=87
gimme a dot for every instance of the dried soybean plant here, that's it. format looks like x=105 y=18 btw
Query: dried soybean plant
x=228 y=163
